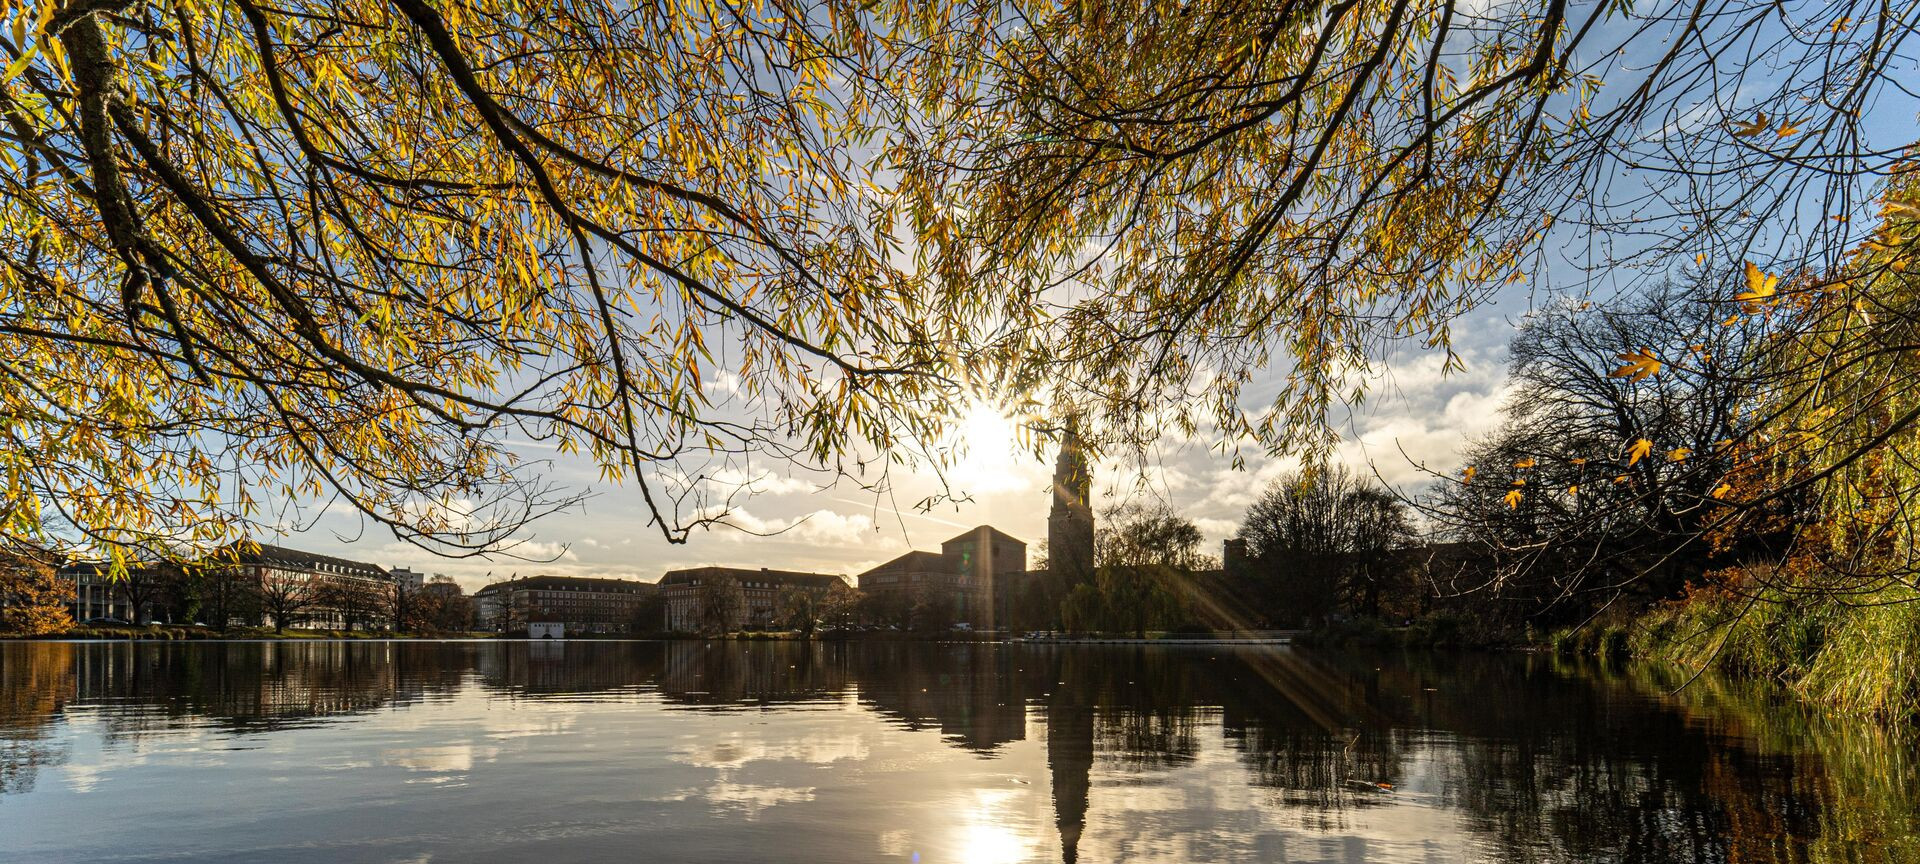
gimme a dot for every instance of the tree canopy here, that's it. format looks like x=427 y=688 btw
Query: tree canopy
x=381 y=251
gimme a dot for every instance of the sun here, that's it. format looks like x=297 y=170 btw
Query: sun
x=987 y=443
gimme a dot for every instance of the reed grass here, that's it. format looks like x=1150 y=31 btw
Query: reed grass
x=1860 y=655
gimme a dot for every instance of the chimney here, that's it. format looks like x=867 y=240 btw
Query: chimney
x=1233 y=554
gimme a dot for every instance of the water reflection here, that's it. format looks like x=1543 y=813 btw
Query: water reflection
x=730 y=751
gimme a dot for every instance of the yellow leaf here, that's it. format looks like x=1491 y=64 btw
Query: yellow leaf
x=1525 y=463
x=1620 y=479
x=1679 y=454
x=1639 y=451
x=1786 y=128
x=1747 y=130
x=1760 y=286
x=1513 y=499
x=1640 y=364
x=1574 y=489
x=1722 y=490
x=1466 y=475
x=1579 y=460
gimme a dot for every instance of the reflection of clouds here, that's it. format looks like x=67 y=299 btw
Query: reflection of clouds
x=454 y=758
x=526 y=724
x=896 y=842
x=734 y=755
x=88 y=767
x=749 y=800
x=82 y=779
x=737 y=749
x=1145 y=768
x=1210 y=809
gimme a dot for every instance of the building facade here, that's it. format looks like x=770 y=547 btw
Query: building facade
x=407 y=578
x=490 y=607
x=95 y=595
x=969 y=575
x=316 y=590
x=582 y=604
x=688 y=593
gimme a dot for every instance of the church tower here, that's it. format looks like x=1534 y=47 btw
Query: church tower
x=1070 y=522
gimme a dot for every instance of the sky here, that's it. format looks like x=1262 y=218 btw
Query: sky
x=794 y=524
x=1414 y=414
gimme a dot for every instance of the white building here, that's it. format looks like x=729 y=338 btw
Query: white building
x=409 y=578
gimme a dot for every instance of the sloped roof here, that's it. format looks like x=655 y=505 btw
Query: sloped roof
x=785 y=577
x=578 y=583
x=997 y=534
x=263 y=553
x=915 y=562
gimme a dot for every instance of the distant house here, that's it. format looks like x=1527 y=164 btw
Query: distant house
x=582 y=604
x=97 y=596
x=687 y=592
x=268 y=569
x=967 y=573
x=408 y=578
x=546 y=630
x=490 y=607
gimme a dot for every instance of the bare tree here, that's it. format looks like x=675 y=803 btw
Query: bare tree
x=1323 y=540
x=141 y=587
x=1602 y=479
x=799 y=609
x=286 y=596
x=353 y=602
x=722 y=604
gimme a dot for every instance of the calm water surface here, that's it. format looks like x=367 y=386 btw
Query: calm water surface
x=721 y=752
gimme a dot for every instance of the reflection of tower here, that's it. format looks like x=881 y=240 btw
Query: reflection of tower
x=1070 y=522
x=1069 y=759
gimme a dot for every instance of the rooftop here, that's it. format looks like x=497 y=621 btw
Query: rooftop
x=246 y=552
x=790 y=577
x=995 y=532
x=914 y=562
x=563 y=583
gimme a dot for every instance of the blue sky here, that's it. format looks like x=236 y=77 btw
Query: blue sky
x=844 y=529
x=1411 y=407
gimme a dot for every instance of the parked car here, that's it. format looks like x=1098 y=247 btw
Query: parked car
x=105 y=621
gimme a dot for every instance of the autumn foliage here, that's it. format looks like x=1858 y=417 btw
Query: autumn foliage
x=34 y=600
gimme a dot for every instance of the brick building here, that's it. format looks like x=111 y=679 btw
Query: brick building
x=688 y=591
x=967 y=574
x=269 y=570
x=583 y=604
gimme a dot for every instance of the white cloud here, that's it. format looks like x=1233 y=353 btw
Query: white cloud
x=1414 y=405
x=822 y=527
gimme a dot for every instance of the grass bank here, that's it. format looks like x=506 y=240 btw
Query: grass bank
x=1860 y=656
x=174 y=633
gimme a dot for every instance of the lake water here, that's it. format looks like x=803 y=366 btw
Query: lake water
x=783 y=752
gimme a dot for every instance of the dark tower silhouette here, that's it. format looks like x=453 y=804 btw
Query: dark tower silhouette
x=1070 y=756
x=1070 y=522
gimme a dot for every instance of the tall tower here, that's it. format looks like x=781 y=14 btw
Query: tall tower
x=1070 y=522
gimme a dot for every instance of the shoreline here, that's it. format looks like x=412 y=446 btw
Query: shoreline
x=195 y=634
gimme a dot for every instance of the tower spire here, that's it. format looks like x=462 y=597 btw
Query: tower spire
x=1070 y=521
